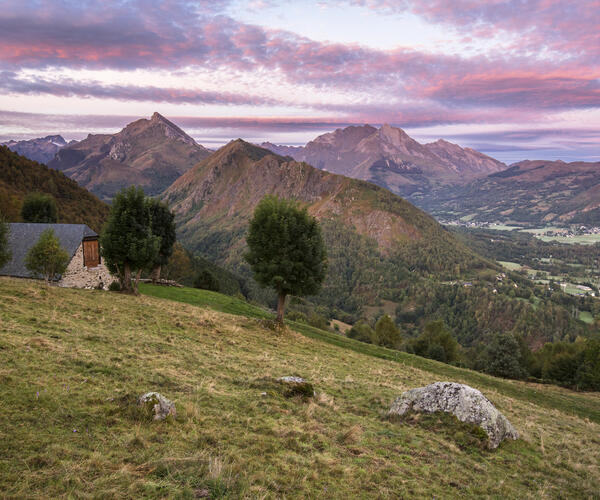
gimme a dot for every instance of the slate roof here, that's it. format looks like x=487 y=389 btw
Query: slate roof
x=22 y=236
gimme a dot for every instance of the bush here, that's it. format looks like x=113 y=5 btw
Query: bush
x=47 y=257
x=387 y=334
x=206 y=281
x=115 y=286
x=38 y=208
x=435 y=342
x=362 y=331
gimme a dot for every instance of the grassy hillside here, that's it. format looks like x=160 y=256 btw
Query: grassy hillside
x=19 y=176
x=72 y=362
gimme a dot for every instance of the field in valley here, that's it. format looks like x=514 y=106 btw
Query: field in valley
x=72 y=363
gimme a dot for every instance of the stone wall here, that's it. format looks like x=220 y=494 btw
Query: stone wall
x=78 y=276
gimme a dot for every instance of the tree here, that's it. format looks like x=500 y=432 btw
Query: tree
x=162 y=224
x=128 y=245
x=47 y=257
x=205 y=280
x=4 y=250
x=436 y=342
x=38 y=207
x=286 y=250
x=503 y=357
x=362 y=331
x=387 y=333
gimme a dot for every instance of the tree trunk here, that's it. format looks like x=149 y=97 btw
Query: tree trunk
x=155 y=274
x=281 y=307
x=137 y=280
x=126 y=282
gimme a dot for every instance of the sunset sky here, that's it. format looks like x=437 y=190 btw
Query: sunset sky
x=515 y=79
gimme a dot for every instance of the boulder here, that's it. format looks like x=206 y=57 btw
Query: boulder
x=156 y=403
x=466 y=403
x=297 y=386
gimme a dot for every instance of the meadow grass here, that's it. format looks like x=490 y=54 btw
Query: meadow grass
x=72 y=363
x=546 y=396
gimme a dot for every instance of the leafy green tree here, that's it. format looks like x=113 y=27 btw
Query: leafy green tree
x=47 y=257
x=387 y=333
x=205 y=280
x=286 y=250
x=436 y=342
x=5 y=254
x=128 y=244
x=362 y=331
x=162 y=224
x=503 y=357
x=38 y=207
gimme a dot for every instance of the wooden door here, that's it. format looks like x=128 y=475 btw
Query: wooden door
x=91 y=253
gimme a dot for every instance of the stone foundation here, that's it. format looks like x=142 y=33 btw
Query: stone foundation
x=79 y=276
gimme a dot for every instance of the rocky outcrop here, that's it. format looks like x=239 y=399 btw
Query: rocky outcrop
x=466 y=403
x=158 y=405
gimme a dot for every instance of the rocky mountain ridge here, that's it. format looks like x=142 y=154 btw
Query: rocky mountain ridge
x=389 y=157
x=41 y=149
x=149 y=153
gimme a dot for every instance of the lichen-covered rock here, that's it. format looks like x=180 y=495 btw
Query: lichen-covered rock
x=297 y=386
x=466 y=403
x=158 y=405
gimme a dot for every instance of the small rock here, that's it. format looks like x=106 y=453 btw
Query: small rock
x=292 y=380
x=466 y=403
x=158 y=404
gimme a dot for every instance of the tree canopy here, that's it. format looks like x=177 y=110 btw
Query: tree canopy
x=286 y=249
x=39 y=207
x=4 y=250
x=47 y=257
x=162 y=224
x=128 y=244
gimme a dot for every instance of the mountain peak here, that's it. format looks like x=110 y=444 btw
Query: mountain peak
x=171 y=130
x=157 y=117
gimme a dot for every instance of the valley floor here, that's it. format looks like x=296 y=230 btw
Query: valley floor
x=72 y=362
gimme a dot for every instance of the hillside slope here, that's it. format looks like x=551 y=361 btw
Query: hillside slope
x=529 y=192
x=374 y=238
x=70 y=378
x=19 y=176
x=147 y=153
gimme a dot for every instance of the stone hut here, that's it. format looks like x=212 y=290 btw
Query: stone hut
x=85 y=269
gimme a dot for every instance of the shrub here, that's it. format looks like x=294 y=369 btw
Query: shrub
x=38 y=207
x=115 y=286
x=47 y=257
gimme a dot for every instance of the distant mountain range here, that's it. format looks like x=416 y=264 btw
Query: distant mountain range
x=41 y=150
x=529 y=192
x=389 y=157
x=375 y=239
x=20 y=176
x=148 y=153
x=442 y=178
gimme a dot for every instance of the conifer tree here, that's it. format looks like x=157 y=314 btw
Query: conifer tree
x=286 y=250
x=128 y=244
x=162 y=224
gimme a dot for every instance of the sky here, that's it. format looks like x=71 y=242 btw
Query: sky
x=516 y=79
